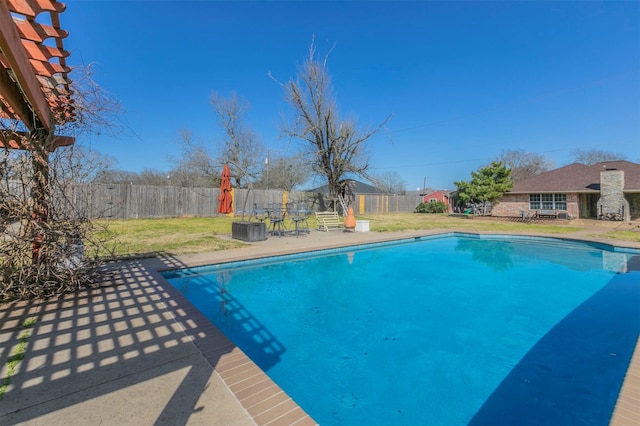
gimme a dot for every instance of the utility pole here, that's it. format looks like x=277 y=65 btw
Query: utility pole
x=266 y=162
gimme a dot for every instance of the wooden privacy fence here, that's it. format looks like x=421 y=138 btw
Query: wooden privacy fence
x=385 y=203
x=127 y=201
x=124 y=201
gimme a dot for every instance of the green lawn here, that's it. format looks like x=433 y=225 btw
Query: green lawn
x=407 y=221
x=624 y=235
x=137 y=237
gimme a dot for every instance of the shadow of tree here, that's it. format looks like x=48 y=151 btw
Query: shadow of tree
x=574 y=373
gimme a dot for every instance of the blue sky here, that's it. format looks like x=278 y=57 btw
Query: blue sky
x=462 y=80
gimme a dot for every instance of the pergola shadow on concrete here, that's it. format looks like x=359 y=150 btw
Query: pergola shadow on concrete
x=128 y=352
x=134 y=350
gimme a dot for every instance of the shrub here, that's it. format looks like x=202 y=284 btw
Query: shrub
x=432 y=207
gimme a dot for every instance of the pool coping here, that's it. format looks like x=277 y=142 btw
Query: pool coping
x=263 y=399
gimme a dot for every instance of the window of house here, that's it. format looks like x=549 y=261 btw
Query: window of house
x=548 y=201
x=534 y=201
x=560 y=201
x=433 y=200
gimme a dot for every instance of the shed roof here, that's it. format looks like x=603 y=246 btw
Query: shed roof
x=579 y=178
x=446 y=192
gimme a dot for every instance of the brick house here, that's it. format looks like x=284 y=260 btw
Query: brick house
x=608 y=190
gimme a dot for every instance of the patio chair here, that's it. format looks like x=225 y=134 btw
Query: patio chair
x=259 y=213
x=276 y=215
x=299 y=215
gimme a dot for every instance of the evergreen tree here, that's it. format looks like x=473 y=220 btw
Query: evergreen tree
x=487 y=185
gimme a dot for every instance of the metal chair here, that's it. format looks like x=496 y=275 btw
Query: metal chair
x=299 y=215
x=276 y=215
x=259 y=213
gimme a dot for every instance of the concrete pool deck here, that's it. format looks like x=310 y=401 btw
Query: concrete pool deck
x=134 y=351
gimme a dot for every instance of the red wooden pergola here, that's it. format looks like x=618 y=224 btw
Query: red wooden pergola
x=35 y=90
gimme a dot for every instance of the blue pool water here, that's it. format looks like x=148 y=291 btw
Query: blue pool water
x=439 y=331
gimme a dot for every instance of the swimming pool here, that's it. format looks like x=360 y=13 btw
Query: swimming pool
x=450 y=330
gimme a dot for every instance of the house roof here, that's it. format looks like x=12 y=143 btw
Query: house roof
x=579 y=178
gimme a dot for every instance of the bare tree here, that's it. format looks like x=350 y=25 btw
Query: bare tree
x=523 y=164
x=594 y=156
x=335 y=147
x=48 y=245
x=389 y=182
x=284 y=173
x=239 y=144
x=195 y=167
x=78 y=164
x=154 y=177
x=11 y=162
x=97 y=111
x=117 y=176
